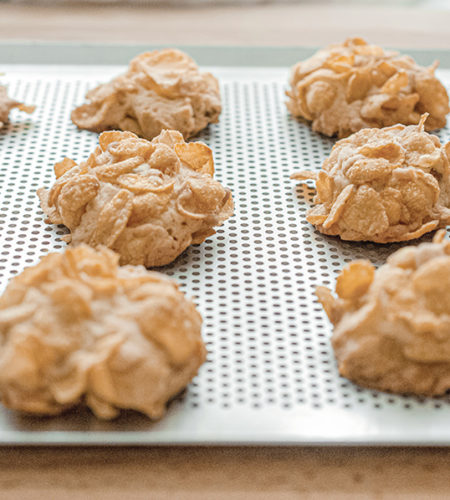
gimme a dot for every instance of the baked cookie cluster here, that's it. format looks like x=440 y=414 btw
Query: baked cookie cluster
x=346 y=87
x=7 y=104
x=387 y=182
x=147 y=201
x=161 y=90
x=77 y=329
x=392 y=326
x=383 y=185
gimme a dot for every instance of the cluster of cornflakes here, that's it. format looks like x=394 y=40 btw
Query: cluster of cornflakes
x=7 y=104
x=147 y=201
x=161 y=90
x=350 y=86
x=383 y=185
x=392 y=326
x=78 y=329
x=387 y=182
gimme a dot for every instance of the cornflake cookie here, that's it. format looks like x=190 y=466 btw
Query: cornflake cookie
x=161 y=90
x=77 y=329
x=383 y=185
x=392 y=326
x=350 y=86
x=148 y=201
x=7 y=104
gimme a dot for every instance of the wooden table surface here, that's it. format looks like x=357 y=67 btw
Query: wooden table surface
x=284 y=24
x=225 y=473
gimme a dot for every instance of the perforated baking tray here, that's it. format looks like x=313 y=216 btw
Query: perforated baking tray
x=270 y=376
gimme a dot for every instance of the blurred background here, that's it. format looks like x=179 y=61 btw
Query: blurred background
x=399 y=23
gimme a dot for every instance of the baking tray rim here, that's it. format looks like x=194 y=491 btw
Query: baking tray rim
x=40 y=52
x=35 y=53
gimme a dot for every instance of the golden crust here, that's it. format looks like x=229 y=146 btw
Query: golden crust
x=392 y=326
x=350 y=86
x=7 y=104
x=161 y=90
x=148 y=201
x=382 y=185
x=78 y=329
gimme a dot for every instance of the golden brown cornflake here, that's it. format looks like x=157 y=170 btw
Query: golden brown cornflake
x=392 y=326
x=383 y=185
x=77 y=329
x=350 y=86
x=148 y=201
x=161 y=90
x=7 y=104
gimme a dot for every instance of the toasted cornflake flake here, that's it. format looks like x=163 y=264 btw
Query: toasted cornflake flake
x=355 y=279
x=392 y=326
x=161 y=90
x=78 y=329
x=148 y=201
x=7 y=104
x=382 y=185
x=350 y=86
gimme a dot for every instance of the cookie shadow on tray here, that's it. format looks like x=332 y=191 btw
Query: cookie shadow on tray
x=18 y=127
x=80 y=418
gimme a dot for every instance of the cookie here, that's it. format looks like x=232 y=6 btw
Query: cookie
x=77 y=329
x=161 y=90
x=7 y=104
x=350 y=86
x=147 y=201
x=392 y=325
x=383 y=185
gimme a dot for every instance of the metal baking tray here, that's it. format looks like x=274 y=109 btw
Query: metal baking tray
x=270 y=376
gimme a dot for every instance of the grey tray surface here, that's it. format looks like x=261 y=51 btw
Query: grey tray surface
x=37 y=52
x=270 y=376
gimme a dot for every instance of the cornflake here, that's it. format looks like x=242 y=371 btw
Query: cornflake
x=392 y=326
x=350 y=86
x=161 y=90
x=77 y=329
x=7 y=104
x=383 y=185
x=148 y=201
